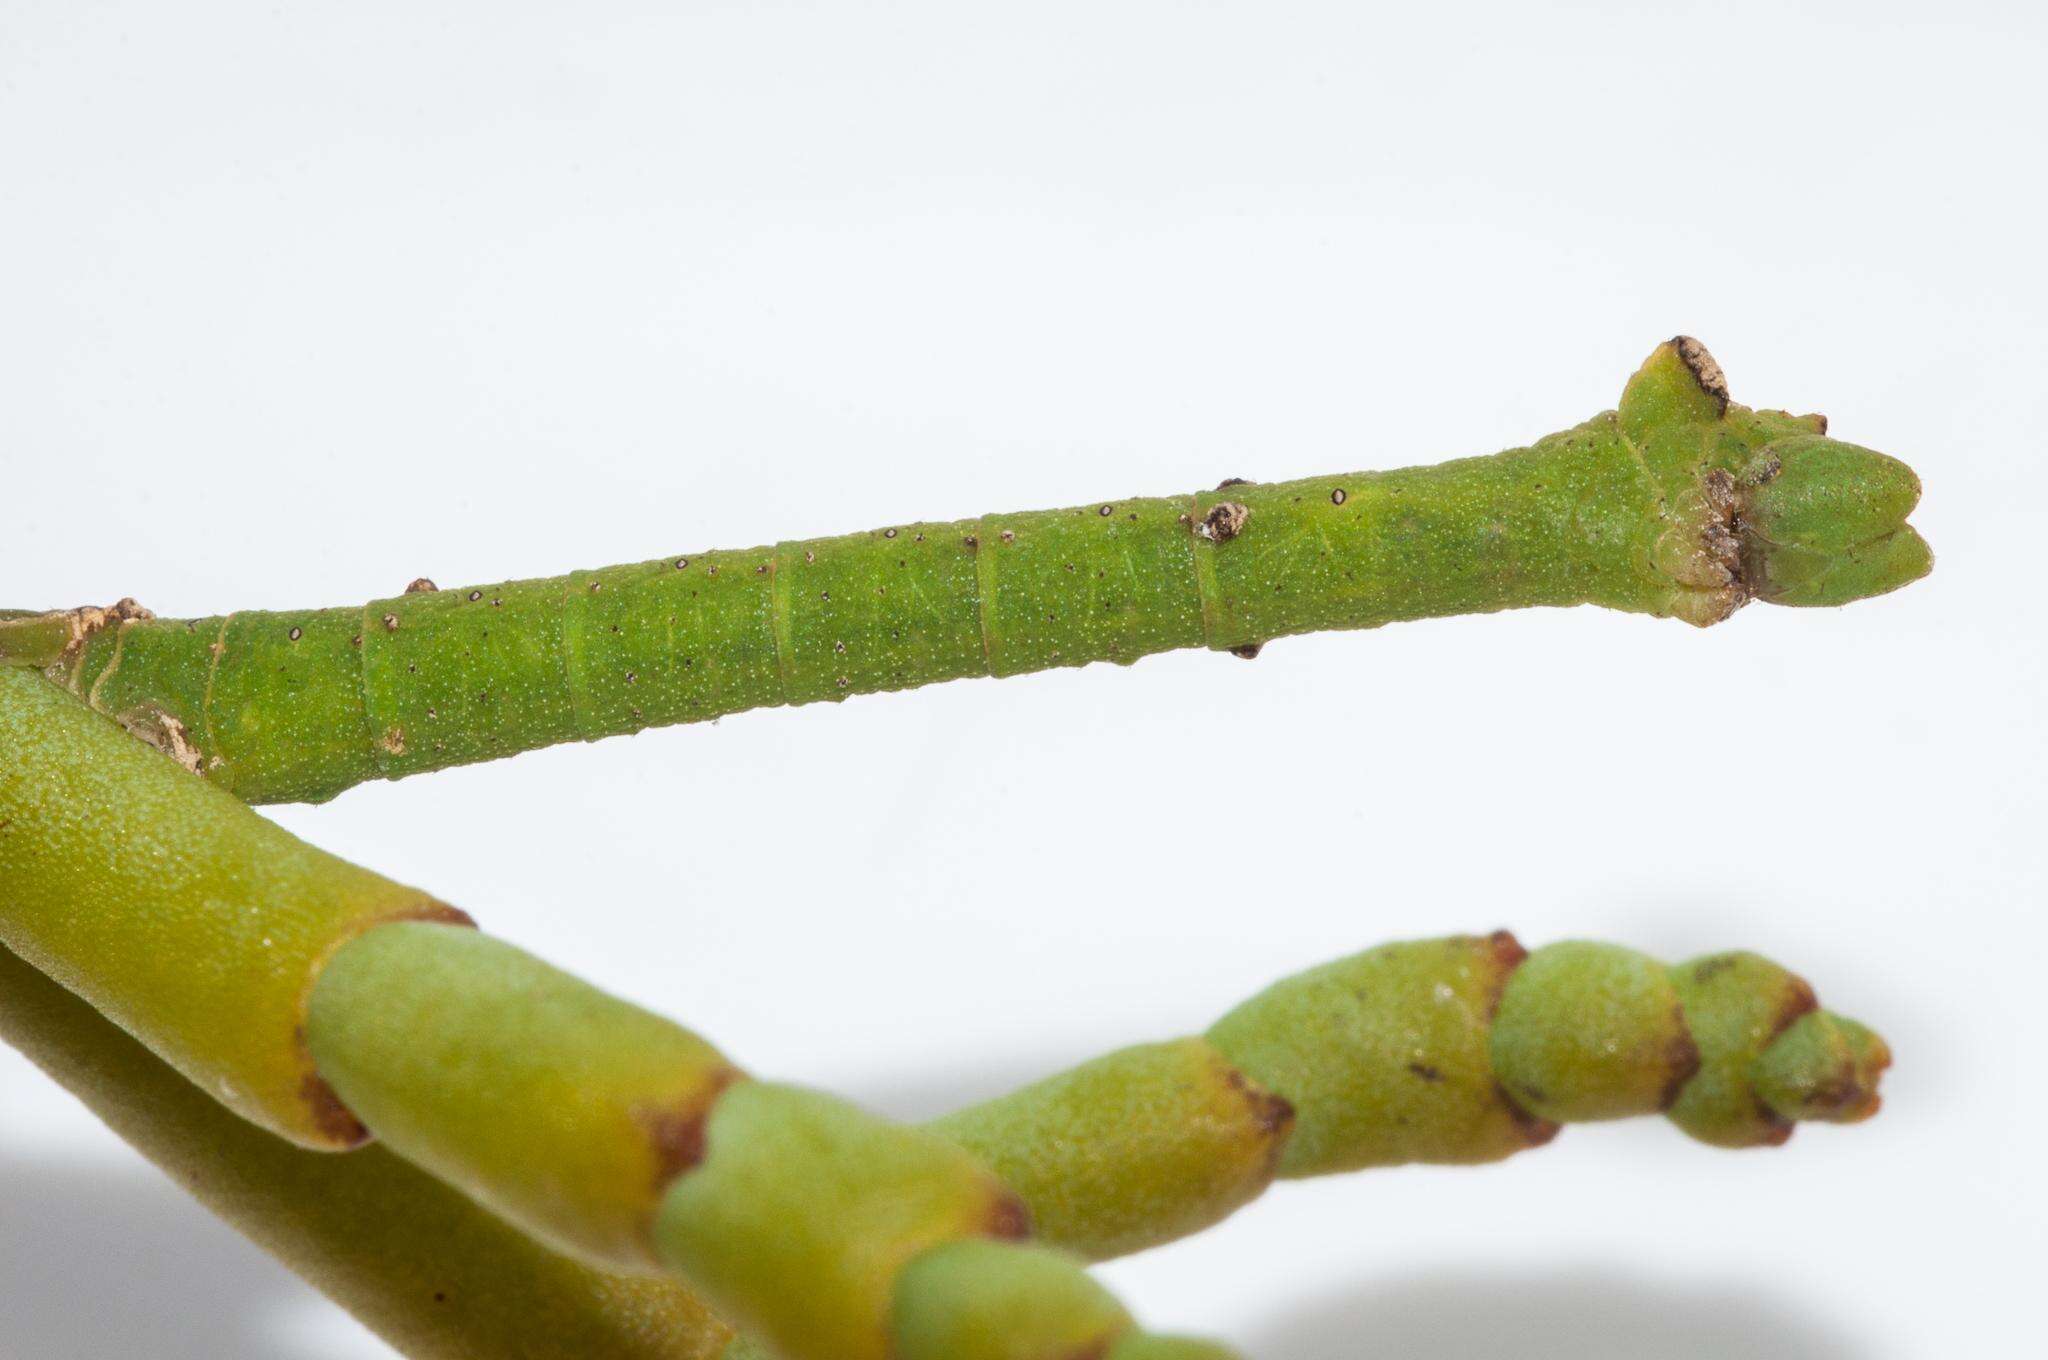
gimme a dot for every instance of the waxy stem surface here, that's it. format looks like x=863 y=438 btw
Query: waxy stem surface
x=615 y=1135
x=600 y=1129
x=1458 y=1050
x=1678 y=504
x=421 y=1265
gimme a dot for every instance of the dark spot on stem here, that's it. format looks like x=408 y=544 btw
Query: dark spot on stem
x=1229 y=482
x=677 y=1132
x=295 y=634
x=1339 y=496
x=331 y=1119
x=1008 y=1218
x=1799 y=1000
x=1708 y=969
x=888 y=533
x=475 y=595
x=682 y=563
x=1009 y=535
x=971 y=541
x=1249 y=651
x=1534 y=1130
x=1704 y=370
x=391 y=623
x=421 y=586
x=1106 y=511
x=1225 y=521
x=1682 y=1058
x=1272 y=1114
x=1507 y=954
x=1426 y=1072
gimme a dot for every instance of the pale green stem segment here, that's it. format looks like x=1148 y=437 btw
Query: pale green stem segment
x=611 y=1133
x=1457 y=1050
x=1677 y=504
x=424 y=1267
x=596 y=1127
x=183 y=916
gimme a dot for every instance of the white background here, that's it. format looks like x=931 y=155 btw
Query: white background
x=298 y=303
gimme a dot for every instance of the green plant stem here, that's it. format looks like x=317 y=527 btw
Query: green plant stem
x=597 y=1127
x=1456 y=1050
x=181 y=915
x=1677 y=504
x=424 y=1267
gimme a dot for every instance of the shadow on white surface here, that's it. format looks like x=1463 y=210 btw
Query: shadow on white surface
x=101 y=1259
x=1581 y=1314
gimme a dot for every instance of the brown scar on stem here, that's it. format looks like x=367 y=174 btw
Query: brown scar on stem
x=1682 y=1059
x=1008 y=1218
x=1710 y=567
x=1705 y=371
x=421 y=586
x=677 y=1133
x=1533 y=1129
x=1774 y=1129
x=1249 y=651
x=1225 y=521
x=1506 y=954
x=81 y=623
x=1712 y=967
x=332 y=1119
x=1229 y=482
x=1272 y=1113
x=154 y=727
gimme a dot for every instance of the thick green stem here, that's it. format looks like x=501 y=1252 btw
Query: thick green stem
x=178 y=912
x=1677 y=504
x=595 y=1126
x=421 y=1265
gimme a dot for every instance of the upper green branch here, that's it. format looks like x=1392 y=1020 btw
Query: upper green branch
x=1679 y=504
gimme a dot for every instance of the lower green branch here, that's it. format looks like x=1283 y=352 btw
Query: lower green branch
x=421 y=1265
x=593 y=1125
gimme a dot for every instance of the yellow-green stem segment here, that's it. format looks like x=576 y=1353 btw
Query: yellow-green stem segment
x=184 y=917
x=1679 y=503
x=596 y=1127
x=1456 y=1050
x=421 y=1265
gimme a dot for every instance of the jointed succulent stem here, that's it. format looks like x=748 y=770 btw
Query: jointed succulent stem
x=1678 y=504
x=611 y=1133
x=329 y=1005
x=595 y=1126
x=422 y=1265
x=1457 y=1050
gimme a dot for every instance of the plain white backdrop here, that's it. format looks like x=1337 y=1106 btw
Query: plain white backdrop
x=300 y=302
